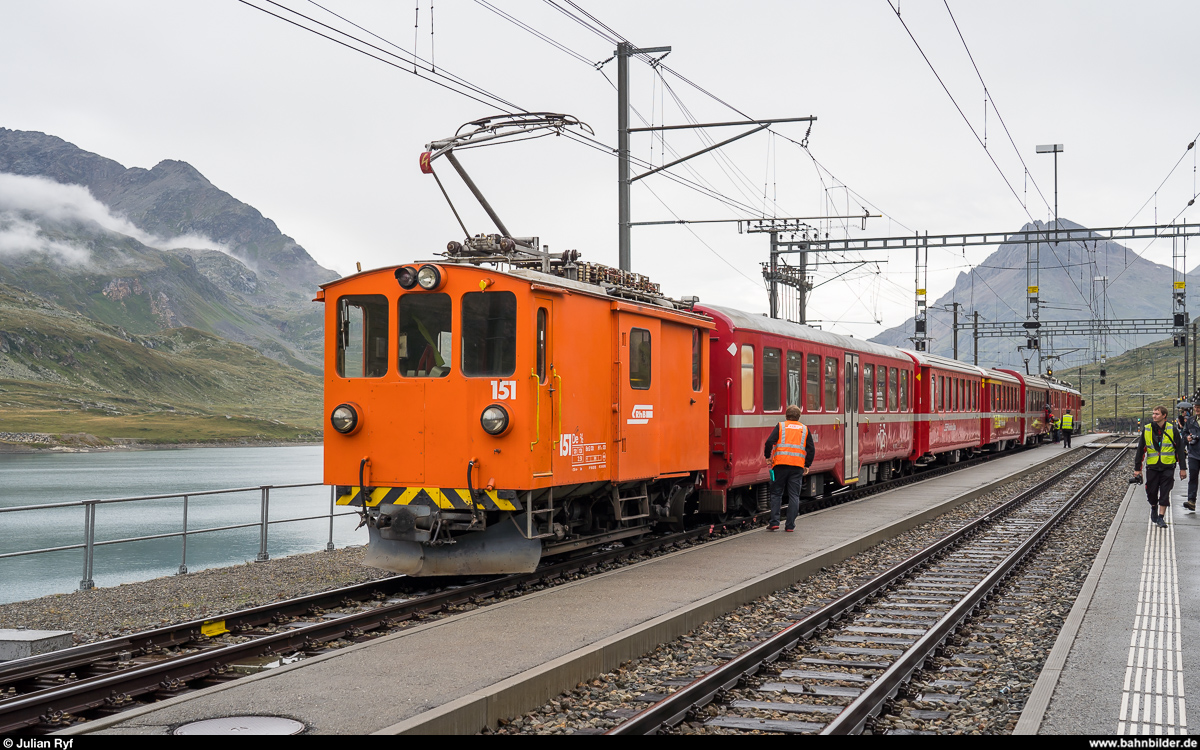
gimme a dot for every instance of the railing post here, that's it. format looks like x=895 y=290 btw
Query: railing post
x=332 y=500
x=262 y=526
x=89 y=540
x=183 y=563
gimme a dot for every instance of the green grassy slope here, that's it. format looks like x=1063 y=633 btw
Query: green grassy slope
x=61 y=372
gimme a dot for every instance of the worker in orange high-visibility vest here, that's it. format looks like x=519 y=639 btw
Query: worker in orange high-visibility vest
x=791 y=449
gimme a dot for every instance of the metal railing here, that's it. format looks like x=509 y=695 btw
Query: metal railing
x=90 y=544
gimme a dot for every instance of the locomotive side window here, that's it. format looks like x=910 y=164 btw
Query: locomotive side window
x=812 y=383
x=772 y=384
x=747 y=378
x=696 y=363
x=904 y=390
x=795 y=361
x=893 y=381
x=424 y=341
x=541 y=345
x=831 y=378
x=868 y=388
x=639 y=359
x=362 y=337
x=489 y=334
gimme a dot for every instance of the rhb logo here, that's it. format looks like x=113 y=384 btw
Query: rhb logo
x=642 y=413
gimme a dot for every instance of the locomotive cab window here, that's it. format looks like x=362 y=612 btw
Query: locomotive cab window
x=697 y=372
x=362 y=336
x=541 y=345
x=489 y=334
x=772 y=382
x=747 y=378
x=424 y=341
x=639 y=359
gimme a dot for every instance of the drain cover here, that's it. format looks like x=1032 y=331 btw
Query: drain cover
x=243 y=725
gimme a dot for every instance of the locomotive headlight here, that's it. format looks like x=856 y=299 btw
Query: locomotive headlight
x=407 y=277
x=494 y=420
x=344 y=419
x=429 y=278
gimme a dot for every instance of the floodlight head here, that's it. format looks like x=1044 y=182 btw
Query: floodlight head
x=1050 y=148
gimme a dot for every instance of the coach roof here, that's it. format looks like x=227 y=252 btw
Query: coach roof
x=743 y=321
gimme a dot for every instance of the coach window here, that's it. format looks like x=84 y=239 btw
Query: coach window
x=812 y=383
x=941 y=392
x=489 y=333
x=904 y=390
x=424 y=341
x=747 y=378
x=772 y=385
x=893 y=396
x=795 y=360
x=697 y=370
x=868 y=403
x=639 y=359
x=362 y=341
x=831 y=378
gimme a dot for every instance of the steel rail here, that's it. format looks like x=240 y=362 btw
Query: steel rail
x=674 y=708
x=32 y=708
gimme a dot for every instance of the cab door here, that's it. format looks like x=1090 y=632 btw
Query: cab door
x=638 y=385
x=850 y=417
x=546 y=406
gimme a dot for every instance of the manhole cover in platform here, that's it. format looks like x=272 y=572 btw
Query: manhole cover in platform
x=243 y=725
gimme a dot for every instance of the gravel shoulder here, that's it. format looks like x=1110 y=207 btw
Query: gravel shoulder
x=112 y=612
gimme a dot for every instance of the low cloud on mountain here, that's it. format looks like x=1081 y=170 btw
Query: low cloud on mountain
x=24 y=198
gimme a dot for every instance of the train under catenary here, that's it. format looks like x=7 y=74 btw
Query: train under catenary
x=481 y=418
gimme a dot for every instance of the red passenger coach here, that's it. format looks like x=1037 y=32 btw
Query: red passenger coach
x=854 y=396
x=949 y=408
x=1002 y=428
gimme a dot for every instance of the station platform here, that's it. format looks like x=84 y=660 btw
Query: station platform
x=1119 y=666
x=466 y=671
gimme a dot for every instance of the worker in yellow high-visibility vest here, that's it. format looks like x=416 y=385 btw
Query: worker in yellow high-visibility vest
x=1067 y=424
x=1161 y=444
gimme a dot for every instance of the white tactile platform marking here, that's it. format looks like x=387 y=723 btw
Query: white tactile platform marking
x=1152 y=697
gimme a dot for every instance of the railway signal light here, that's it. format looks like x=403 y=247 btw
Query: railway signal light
x=1103 y=372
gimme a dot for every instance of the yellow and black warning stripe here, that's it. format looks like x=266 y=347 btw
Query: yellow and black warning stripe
x=434 y=497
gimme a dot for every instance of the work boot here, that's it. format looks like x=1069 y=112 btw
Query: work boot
x=1190 y=505
x=1160 y=521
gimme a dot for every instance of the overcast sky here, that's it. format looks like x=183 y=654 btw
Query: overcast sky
x=325 y=141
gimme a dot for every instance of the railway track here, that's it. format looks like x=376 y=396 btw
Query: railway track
x=51 y=691
x=840 y=665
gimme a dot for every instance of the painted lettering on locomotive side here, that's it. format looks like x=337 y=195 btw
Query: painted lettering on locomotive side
x=642 y=414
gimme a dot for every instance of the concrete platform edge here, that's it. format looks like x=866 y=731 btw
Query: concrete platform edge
x=1043 y=690
x=535 y=687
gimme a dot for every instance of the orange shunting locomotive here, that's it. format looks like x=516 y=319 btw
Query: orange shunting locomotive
x=480 y=417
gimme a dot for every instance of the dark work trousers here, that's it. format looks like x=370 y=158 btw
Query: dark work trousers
x=788 y=479
x=1193 y=468
x=1067 y=438
x=1158 y=486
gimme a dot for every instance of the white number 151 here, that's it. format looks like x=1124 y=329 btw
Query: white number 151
x=504 y=390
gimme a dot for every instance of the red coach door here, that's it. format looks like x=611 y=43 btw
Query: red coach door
x=850 y=417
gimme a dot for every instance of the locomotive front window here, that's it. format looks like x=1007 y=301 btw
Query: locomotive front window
x=813 y=383
x=639 y=359
x=831 y=377
x=771 y=379
x=424 y=339
x=362 y=336
x=489 y=334
x=868 y=387
x=795 y=362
